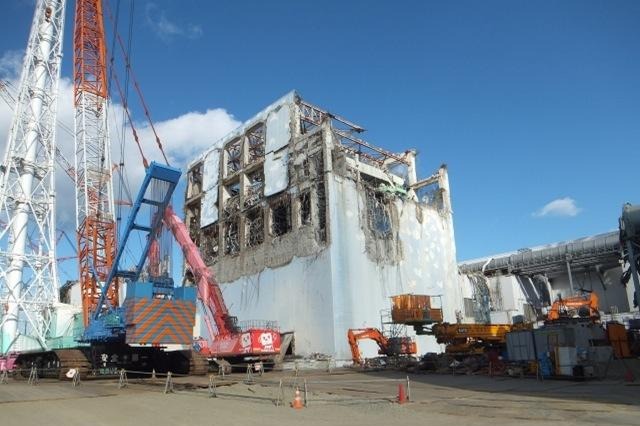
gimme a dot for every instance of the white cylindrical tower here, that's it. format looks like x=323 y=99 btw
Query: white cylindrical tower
x=28 y=281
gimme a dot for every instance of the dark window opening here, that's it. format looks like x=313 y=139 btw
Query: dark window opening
x=233 y=154
x=195 y=181
x=231 y=237
x=232 y=203
x=255 y=147
x=254 y=189
x=305 y=172
x=255 y=227
x=317 y=164
x=322 y=211
x=193 y=213
x=233 y=189
x=281 y=216
x=209 y=245
x=305 y=208
x=378 y=214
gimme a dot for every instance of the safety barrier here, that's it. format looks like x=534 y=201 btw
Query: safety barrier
x=168 y=384
x=33 y=376
x=295 y=390
x=403 y=395
x=75 y=380
x=212 y=387
x=283 y=390
x=123 y=382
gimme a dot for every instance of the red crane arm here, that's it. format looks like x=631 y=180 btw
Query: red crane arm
x=208 y=289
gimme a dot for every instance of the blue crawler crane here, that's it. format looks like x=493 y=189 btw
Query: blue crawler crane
x=154 y=314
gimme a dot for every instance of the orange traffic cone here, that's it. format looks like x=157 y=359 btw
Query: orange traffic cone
x=297 y=401
x=402 y=398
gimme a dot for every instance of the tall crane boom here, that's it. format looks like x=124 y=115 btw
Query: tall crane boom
x=225 y=337
x=216 y=314
x=96 y=230
x=28 y=278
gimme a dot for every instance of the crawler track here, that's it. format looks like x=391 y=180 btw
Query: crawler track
x=198 y=365
x=97 y=362
x=53 y=364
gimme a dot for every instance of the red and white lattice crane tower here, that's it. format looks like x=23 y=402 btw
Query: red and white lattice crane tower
x=95 y=222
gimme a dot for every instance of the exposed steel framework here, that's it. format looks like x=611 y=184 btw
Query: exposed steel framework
x=89 y=60
x=96 y=230
x=28 y=277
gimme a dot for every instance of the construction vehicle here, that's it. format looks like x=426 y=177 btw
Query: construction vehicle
x=108 y=331
x=226 y=339
x=389 y=346
x=583 y=306
x=154 y=313
x=465 y=339
x=417 y=311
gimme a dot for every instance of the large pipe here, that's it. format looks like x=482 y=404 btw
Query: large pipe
x=600 y=245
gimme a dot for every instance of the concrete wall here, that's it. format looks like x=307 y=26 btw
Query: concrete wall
x=297 y=295
x=362 y=287
x=320 y=297
x=336 y=270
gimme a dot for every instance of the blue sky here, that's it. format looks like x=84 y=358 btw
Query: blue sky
x=529 y=103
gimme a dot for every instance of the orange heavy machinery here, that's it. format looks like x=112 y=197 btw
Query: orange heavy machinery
x=417 y=311
x=472 y=338
x=414 y=310
x=584 y=306
x=389 y=346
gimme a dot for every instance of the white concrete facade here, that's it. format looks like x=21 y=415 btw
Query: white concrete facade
x=373 y=230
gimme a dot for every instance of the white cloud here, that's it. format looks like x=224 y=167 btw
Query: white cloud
x=183 y=138
x=10 y=64
x=167 y=29
x=565 y=207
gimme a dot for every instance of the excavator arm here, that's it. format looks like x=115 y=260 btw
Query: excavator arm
x=353 y=335
x=387 y=346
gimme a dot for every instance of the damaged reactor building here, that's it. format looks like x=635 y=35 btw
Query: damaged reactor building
x=305 y=223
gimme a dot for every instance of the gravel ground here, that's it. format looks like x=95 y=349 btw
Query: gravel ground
x=344 y=397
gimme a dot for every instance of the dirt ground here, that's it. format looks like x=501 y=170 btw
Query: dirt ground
x=344 y=397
